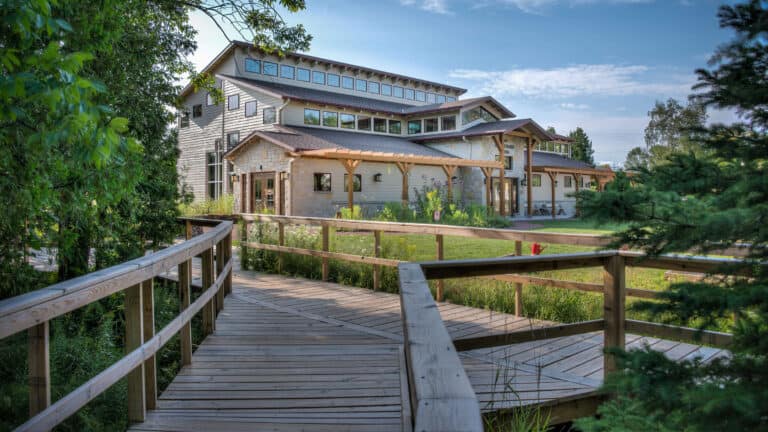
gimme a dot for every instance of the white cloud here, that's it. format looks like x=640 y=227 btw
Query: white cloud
x=574 y=81
x=434 y=6
x=573 y=106
x=538 y=6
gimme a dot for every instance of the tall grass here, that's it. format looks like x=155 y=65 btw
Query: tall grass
x=224 y=205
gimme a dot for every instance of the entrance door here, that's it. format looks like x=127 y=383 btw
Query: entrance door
x=263 y=192
x=510 y=195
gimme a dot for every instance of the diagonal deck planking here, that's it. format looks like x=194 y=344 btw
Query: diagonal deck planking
x=293 y=354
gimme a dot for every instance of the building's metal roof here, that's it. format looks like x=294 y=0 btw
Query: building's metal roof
x=488 y=128
x=545 y=159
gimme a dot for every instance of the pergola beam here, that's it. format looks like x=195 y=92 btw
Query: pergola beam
x=370 y=156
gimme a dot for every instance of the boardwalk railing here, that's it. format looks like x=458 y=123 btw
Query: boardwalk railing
x=33 y=312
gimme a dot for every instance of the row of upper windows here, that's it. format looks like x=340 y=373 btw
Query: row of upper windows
x=554 y=147
x=312 y=117
x=233 y=103
x=343 y=81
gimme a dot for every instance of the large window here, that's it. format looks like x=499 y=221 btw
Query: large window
x=232 y=139
x=507 y=162
x=395 y=127
x=348 y=82
x=318 y=77
x=409 y=94
x=477 y=113
x=364 y=123
x=568 y=181
x=450 y=99
x=252 y=65
x=184 y=119
x=209 y=100
x=386 y=90
x=287 y=71
x=250 y=108
x=311 y=117
x=322 y=182
x=330 y=119
x=430 y=125
x=270 y=68
x=440 y=98
x=302 y=74
x=357 y=183
x=332 y=80
x=214 y=175
x=233 y=102
x=420 y=96
x=361 y=85
x=414 y=127
x=380 y=125
x=431 y=98
x=373 y=87
x=447 y=123
x=269 y=115
x=397 y=92
x=536 y=182
x=197 y=110
x=347 y=121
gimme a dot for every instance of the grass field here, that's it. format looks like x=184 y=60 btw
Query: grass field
x=539 y=302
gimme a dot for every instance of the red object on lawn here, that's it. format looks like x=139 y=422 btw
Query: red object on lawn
x=536 y=249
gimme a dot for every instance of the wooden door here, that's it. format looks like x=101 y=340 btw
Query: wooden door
x=509 y=190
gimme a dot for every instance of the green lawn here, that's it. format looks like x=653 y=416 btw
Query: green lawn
x=577 y=226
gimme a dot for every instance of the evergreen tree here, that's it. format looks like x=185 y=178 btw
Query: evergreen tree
x=700 y=203
x=581 y=149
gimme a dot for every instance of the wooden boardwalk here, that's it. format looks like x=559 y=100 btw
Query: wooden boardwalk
x=299 y=355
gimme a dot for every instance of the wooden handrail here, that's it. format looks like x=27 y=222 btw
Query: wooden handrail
x=441 y=395
x=34 y=310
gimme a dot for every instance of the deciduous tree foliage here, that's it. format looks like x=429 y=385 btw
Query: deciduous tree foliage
x=702 y=202
x=581 y=149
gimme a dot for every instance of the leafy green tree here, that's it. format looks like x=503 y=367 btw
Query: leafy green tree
x=637 y=158
x=581 y=149
x=702 y=202
x=671 y=124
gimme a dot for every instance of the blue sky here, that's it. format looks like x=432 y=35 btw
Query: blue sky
x=598 y=64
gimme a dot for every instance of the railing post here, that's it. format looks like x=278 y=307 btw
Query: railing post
x=39 y=368
x=134 y=334
x=185 y=335
x=518 y=286
x=228 y=257
x=377 y=254
x=281 y=242
x=188 y=229
x=325 y=234
x=440 y=284
x=220 y=263
x=150 y=365
x=244 y=245
x=614 y=295
x=209 y=319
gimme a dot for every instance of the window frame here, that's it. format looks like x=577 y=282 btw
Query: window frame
x=380 y=121
x=536 y=178
x=411 y=92
x=414 y=122
x=319 y=117
x=431 y=98
x=209 y=99
x=334 y=114
x=341 y=121
x=255 y=108
x=370 y=122
x=184 y=119
x=396 y=90
x=197 y=110
x=273 y=116
x=264 y=68
x=229 y=102
x=357 y=183
x=375 y=84
x=399 y=127
x=318 y=181
x=298 y=74
x=430 y=120
x=420 y=96
x=328 y=80
x=388 y=92
x=252 y=60
x=284 y=67
x=229 y=138
x=318 y=74
x=349 y=79
x=442 y=122
x=567 y=181
x=440 y=98
x=361 y=85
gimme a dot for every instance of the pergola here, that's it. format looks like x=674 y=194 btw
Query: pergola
x=351 y=159
x=601 y=176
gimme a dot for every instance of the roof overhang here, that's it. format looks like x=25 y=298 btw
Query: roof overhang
x=231 y=153
x=528 y=129
x=565 y=170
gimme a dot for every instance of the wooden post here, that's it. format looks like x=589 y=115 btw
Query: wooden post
x=325 y=231
x=440 y=284
x=228 y=258
x=376 y=253
x=499 y=140
x=518 y=286
x=529 y=175
x=488 y=180
x=244 y=242
x=576 y=179
x=250 y=192
x=553 y=184
x=134 y=334
x=449 y=170
x=185 y=334
x=614 y=295
x=188 y=229
x=220 y=263
x=39 y=368
x=350 y=165
x=405 y=169
x=243 y=193
x=150 y=365
x=281 y=242
x=209 y=320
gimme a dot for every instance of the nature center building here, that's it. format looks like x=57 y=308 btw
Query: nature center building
x=301 y=135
